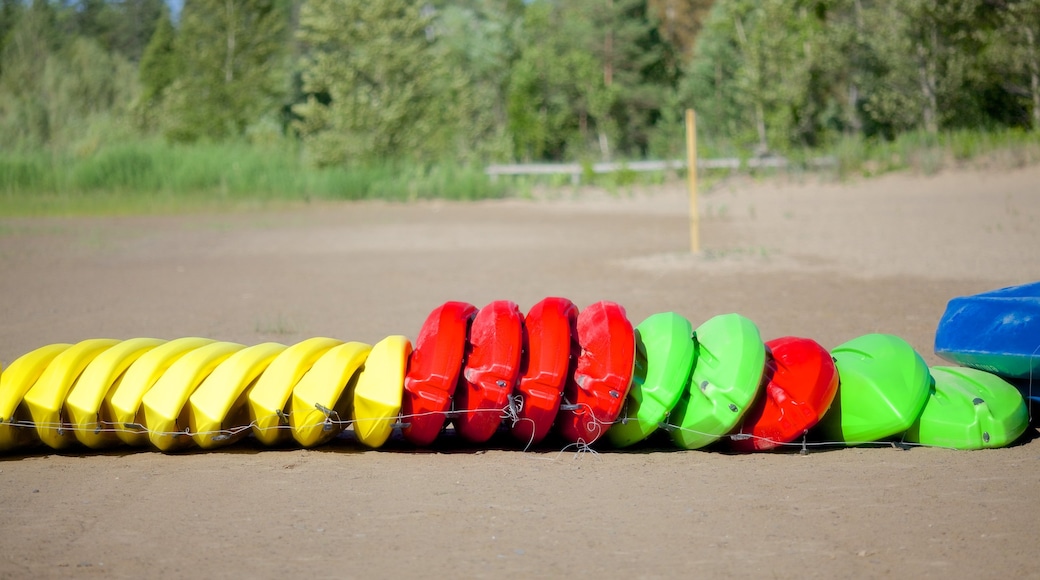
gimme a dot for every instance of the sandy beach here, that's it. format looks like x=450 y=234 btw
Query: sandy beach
x=798 y=256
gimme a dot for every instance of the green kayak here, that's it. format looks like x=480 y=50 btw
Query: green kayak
x=730 y=361
x=970 y=409
x=883 y=385
x=665 y=353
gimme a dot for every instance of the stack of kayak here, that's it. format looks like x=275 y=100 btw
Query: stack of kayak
x=997 y=332
x=556 y=375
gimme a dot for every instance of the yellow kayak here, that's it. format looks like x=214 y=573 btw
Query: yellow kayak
x=379 y=390
x=85 y=400
x=15 y=382
x=46 y=398
x=123 y=402
x=219 y=404
x=269 y=398
x=318 y=400
x=164 y=403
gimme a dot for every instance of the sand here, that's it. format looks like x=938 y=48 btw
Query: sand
x=799 y=257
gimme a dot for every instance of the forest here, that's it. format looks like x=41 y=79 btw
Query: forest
x=408 y=98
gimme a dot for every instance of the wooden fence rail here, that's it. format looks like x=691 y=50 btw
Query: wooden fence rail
x=575 y=170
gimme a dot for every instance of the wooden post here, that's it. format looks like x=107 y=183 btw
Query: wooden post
x=691 y=176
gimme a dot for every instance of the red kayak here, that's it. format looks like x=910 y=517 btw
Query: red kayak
x=593 y=400
x=433 y=371
x=800 y=384
x=548 y=362
x=491 y=371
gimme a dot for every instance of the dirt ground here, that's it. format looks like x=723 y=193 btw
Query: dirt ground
x=799 y=257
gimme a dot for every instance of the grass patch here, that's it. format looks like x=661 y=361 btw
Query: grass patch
x=157 y=176
x=930 y=153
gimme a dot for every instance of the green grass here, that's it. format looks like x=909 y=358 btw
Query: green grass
x=152 y=176
x=156 y=176
x=931 y=153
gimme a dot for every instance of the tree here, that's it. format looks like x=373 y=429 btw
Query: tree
x=23 y=100
x=927 y=51
x=159 y=67
x=680 y=21
x=592 y=76
x=232 y=68
x=157 y=71
x=371 y=74
x=477 y=51
x=1014 y=54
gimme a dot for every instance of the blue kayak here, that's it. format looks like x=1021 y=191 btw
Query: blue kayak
x=996 y=331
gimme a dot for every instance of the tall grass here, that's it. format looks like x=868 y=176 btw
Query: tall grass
x=930 y=153
x=140 y=174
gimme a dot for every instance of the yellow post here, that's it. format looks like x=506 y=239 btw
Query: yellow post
x=691 y=172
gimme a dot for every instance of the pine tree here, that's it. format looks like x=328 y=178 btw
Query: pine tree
x=158 y=67
x=371 y=74
x=231 y=68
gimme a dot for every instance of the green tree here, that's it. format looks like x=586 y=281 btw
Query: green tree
x=679 y=22
x=134 y=26
x=591 y=76
x=1014 y=55
x=158 y=67
x=10 y=13
x=232 y=70
x=371 y=75
x=157 y=71
x=24 y=121
x=928 y=51
x=709 y=85
x=477 y=50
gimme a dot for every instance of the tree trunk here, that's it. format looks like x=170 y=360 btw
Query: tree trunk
x=229 y=58
x=1034 y=76
x=608 y=47
x=926 y=77
x=760 y=124
x=760 y=114
x=855 y=123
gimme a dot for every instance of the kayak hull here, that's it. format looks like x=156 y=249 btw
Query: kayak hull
x=800 y=383
x=379 y=389
x=665 y=356
x=434 y=368
x=603 y=375
x=883 y=385
x=969 y=409
x=491 y=371
x=996 y=331
x=550 y=357
x=724 y=383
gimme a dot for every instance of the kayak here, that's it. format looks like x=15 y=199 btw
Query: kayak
x=996 y=331
x=969 y=409
x=724 y=383
x=46 y=399
x=16 y=429
x=883 y=386
x=550 y=356
x=800 y=382
x=603 y=375
x=665 y=355
x=269 y=398
x=321 y=400
x=379 y=389
x=123 y=402
x=217 y=413
x=85 y=401
x=164 y=403
x=434 y=368
x=491 y=371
